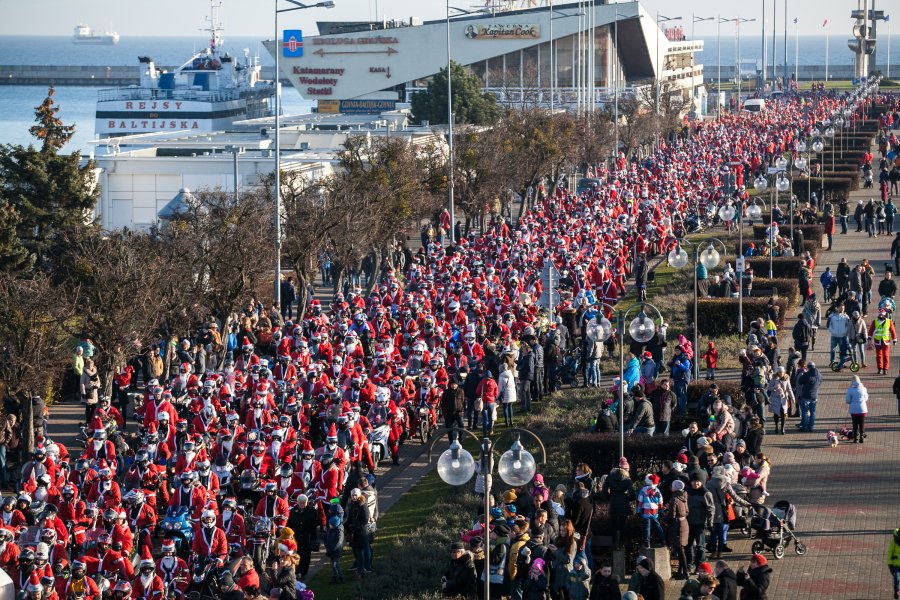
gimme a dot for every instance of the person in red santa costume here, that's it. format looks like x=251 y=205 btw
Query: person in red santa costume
x=209 y=541
x=147 y=585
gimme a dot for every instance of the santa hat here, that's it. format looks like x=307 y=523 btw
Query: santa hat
x=185 y=367
x=287 y=546
x=262 y=389
x=760 y=560
x=168 y=546
x=147 y=558
x=652 y=479
x=332 y=433
x=97 y=424
x=34 y=583
x=246 y=343
x=151 y=428
x=307 y=446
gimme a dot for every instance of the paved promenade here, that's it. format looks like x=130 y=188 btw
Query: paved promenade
x=846 y=497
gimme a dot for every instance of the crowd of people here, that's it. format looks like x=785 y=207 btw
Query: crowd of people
x=222 y=459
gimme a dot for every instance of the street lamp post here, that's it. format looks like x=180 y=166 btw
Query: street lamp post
x=659 y=70
x=278 y=50
x=450 y=132
x=694 y=20
x=727 y=213
x=641 y=330
x=516 y=467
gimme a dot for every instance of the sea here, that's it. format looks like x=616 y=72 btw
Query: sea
x=78 y=103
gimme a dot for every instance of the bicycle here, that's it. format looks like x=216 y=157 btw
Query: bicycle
x=837 y=365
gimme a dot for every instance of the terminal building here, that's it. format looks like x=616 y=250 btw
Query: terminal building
x=568 y=55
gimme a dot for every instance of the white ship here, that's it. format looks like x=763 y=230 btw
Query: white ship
x=85 y=35
x=207 y=93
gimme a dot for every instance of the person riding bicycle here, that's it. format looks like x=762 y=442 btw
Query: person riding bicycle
x=839 y=327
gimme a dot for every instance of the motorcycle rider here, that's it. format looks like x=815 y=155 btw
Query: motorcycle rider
x=209 y=541
x=271 y=504
x=172 y=569
x=232 y=522
x=147 y=585
x=79 y=584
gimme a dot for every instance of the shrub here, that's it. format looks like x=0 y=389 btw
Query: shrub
x=811 y=246
x=789 y=289
x=783 y=267
x=730 y=388
x=645 y=453
x=811 y=233
x=716 y=316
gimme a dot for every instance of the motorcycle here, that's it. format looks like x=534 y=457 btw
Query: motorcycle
x=259 y=542
x=420 y=424
x=378 y=442
x=177 y=526
x=204 y=585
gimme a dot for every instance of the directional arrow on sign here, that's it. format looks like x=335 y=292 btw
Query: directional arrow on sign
x=323 y=52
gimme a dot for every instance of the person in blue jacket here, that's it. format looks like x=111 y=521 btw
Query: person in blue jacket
x=680 y=368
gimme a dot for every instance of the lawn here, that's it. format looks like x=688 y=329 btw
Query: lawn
x=411 y=546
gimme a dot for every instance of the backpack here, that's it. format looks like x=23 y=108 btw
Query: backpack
x=803 y=335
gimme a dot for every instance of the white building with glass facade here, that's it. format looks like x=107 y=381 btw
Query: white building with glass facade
x=576 y=53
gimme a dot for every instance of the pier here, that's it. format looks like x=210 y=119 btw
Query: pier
x=85 y=75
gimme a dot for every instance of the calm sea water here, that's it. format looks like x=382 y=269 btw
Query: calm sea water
x=78 y=103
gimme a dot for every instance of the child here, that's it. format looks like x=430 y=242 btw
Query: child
x=771 y=328
x=334 y=548
x=712 y=357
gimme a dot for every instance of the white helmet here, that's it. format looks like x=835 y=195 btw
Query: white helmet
x=382 y=395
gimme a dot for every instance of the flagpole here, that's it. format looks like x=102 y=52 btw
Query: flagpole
x=785 y=43
x=888 y=19
x=797 y=54
x=826 y=53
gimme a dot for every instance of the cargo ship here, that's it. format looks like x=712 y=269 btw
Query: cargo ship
x=85 y=35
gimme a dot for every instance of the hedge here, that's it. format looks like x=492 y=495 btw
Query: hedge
x=788 y=289
x=783 y=267
x=811 y=233
x=716 y=316
x=810 y=246
x=726 y=388
x=645 y=453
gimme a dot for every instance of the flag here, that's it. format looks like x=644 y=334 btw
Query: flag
x=293 y=43
x=887 y=18
x=795 y=20
x=825 y=24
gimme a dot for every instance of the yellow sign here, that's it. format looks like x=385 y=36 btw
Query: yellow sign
x=329 y=106
x=503 y=31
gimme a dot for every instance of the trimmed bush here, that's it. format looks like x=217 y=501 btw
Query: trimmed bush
x=789 y=289
x=717 y=316
x=783 y=267
x=811 y=233
x=811 y=246
x=645 y=453
x=697 y=388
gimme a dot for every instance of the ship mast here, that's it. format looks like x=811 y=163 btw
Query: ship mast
x=215 y=28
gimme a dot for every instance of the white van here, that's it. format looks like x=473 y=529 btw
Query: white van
x=754 y=105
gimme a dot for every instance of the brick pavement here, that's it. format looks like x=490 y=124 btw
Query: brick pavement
x=845 y=496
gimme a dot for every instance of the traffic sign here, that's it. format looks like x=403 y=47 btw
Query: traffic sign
x=549 y=280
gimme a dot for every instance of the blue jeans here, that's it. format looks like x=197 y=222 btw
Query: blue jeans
x=840 y=342
x=508 y=413
x=4 y=476
x=830 y=240
x=515 y=589
x=648 y=430
x=525 y=394
x=807 y=414
x=487 y=418
x=895 y=575
x=681 y=387
x=843 y=224
x=717 y=542
x=859 y=352
x=592 y=373
x=656 y=527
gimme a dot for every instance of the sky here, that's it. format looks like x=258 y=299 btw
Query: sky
x=254 y=17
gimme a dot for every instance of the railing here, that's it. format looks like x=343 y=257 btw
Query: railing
x=138 y=93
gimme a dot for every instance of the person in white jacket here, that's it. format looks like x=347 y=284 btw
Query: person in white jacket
x=857 y=399
x=506 y=390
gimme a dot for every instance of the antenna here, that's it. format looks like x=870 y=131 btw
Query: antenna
x=215 y=28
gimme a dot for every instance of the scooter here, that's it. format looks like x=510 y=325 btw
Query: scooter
x=177 y=526
x=378 y=442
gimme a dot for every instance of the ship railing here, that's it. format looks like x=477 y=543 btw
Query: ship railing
x=136 y=93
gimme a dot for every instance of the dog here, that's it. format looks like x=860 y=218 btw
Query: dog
x=832 y=438
x=846 y=433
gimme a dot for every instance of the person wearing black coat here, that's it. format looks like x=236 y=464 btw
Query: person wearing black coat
x=460 y=578
x=727 y=588
x=303 y=520
x=284 y=576
x=453 y=404
x=579 y=508
x=617 y=488
x=605 y=585
x=755 y=581
x=652 y=585
x=469 y=389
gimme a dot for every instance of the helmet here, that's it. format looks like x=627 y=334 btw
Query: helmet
x=26 y=557
x=259 y=448
x=286 y=470
x=208 y=519
x=168 y=547
x=48 y=535
x=122 y=591
x=110 y=514
x=271 y=488
x=142 y=457
x=229 y=503
x=104 y=540
x=203 y=466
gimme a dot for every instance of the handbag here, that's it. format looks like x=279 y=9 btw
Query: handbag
x=479 y=405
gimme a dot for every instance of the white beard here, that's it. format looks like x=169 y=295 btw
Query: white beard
x=97 y=445
x=151 y=448
x=40 y=494
x=286 y=482
x=336 y=371
x=226 y=446
x=276 y=448
x=167 y=562
x=350 y=348
x=146 y=580
x=189 y=456
x=226 y=515
x=183 y=379
x=107 y=485
x=306 y=464
x=257 y=413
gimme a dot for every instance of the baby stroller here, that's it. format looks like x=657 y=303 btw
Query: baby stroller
x=775 y=529
x=571 y=367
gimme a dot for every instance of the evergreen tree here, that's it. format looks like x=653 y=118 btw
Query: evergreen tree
x=470 y=103
x=49 y=191
x=14 y=257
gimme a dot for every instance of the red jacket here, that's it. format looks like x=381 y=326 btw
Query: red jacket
x=487 y=389
x=209 y=545
x=149 y=592
x=272 y=506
